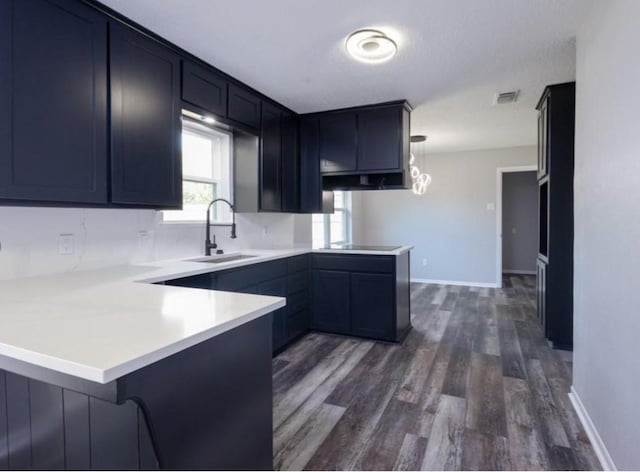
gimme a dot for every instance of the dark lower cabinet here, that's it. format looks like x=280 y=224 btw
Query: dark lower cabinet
x=372 y=302
x=331 y=294
x=277 y=288
x=362 y=295
x=53 y=102
x=145 y=121
x=287 y=277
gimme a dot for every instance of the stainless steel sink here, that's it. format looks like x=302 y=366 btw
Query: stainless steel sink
x=221 y=258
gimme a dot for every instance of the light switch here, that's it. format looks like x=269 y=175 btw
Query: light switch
x=65 y=244
x=491 y=207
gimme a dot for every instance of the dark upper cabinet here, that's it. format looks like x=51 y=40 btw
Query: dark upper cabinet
x=204 y=88
x=53 y=102
x=290 y=163
x=271 y=158
x=330 y=310
x=337 y=141
x=360 y=148
x=310 y=177
x=145 y=121
x=244 y=106
x=372 y=300
x=380 y=139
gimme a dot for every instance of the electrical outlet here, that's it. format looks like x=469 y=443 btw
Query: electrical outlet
x=65 y=244
x=424 y=262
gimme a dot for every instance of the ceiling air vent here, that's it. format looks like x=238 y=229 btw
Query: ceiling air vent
x=502 y=98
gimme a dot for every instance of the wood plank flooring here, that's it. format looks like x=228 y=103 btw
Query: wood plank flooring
x=474 y=386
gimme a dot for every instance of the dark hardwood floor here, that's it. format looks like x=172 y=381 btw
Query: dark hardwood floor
x=474 y=386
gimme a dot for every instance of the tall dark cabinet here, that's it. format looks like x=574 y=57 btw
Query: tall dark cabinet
x=145 y=121
x=556 y=131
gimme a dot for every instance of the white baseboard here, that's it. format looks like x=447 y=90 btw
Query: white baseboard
x=454 y=282
x=606 y=462
x=518 y=272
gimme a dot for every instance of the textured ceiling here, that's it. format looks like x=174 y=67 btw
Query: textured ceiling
x=453 y=56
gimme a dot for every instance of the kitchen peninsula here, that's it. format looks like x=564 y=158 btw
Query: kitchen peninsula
x=124 y=368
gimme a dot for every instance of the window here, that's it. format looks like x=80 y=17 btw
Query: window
x=336 y=227
x=206 y=174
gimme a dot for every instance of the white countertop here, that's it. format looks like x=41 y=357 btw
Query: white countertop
x=103 y=324
x=395 y=252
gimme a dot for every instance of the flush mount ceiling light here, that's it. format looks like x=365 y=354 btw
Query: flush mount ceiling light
x=372 y=46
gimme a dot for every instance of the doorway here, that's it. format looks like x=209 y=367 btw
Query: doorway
x=516 y=221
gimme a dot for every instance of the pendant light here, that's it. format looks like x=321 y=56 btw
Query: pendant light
x=420 y=180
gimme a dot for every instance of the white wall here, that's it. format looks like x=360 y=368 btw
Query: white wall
x=607 y=227
x=29 y=238
x=450 y=226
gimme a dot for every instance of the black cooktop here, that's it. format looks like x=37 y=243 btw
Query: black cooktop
x=362 y=247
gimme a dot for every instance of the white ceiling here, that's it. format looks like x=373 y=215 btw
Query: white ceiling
x=453 y=56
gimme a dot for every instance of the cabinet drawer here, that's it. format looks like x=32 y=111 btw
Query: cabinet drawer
x=233 y=279
x=298 y=282
x=298 y=263
x=382 y=264
x=298 y=301
x=297 y=324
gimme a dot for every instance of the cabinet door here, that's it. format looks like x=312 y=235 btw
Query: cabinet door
x=380 y=139
x=290 y=178
x=145 y=120
x=330 y=301
x=271 y=159
x=244 y=106
x=543 y=127
x=277 y=288
x=310 y=178
x=204 y=88
x=53 y=102
x=373 y=305
x=337 y=142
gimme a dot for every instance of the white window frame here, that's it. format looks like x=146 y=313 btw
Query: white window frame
x=197 y=128
x=347 y=218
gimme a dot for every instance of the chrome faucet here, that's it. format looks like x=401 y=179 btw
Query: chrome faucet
x=208 y=245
